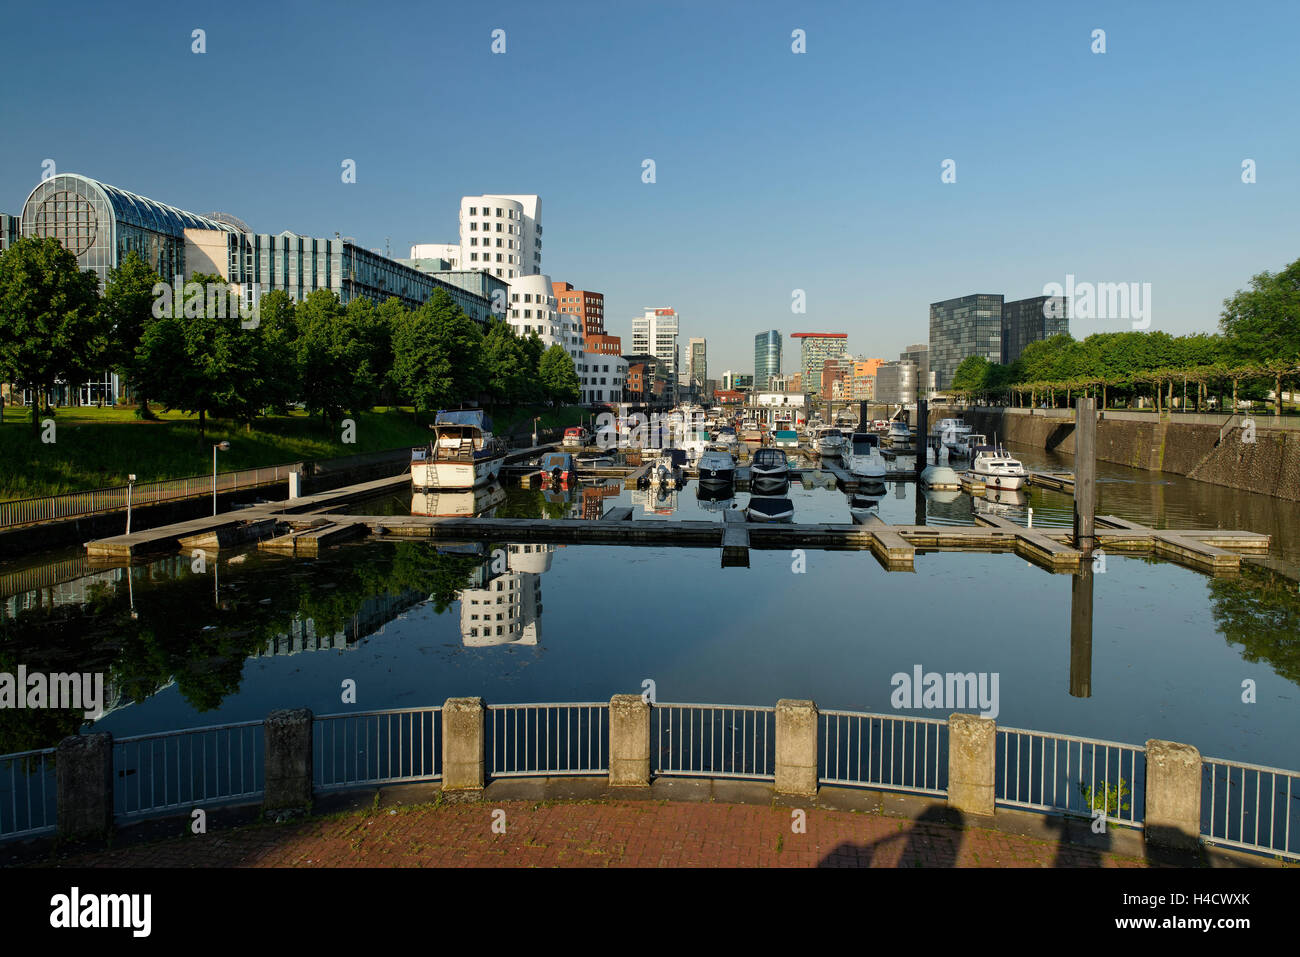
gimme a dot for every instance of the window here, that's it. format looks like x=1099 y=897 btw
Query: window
x=473 y=227
x=473 y=210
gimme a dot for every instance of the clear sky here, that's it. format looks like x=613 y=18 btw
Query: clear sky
x=775 y=171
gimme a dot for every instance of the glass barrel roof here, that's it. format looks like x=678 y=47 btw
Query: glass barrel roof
x=141 y=211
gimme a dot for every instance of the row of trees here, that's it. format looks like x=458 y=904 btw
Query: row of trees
x=1257 y=347
x=200 y=357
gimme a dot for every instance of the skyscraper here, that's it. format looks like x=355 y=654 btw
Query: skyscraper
x=767 y=358
x=815 y=349
x=655 y=333
x=697 y=363
x=1030 y=320
x=963 y=327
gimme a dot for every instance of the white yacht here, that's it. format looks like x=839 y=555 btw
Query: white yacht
x=716 y=468
x=899 y=433
x=966 y=444
x=462 y=454
x=863 y=458
x=829 y=442
x=997 y=469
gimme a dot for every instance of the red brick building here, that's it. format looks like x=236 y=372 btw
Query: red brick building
x=589 y=307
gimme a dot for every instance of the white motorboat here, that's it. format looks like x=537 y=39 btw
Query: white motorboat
x=863 y=458
x=769 y=472
x=726 y=437
x=716 y=468
x=899 y=433
x=462 y=454
x=950 y=430
x=829 y=442
x=997 y=469
x=966 y=444
x=576 y=437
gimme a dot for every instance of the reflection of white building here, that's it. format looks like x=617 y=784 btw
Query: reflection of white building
x=508 y=610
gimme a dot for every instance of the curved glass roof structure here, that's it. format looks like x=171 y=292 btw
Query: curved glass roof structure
x=147 y=213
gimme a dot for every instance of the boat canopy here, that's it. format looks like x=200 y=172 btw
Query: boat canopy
x=863 y=442
x=557 y=460
x=477 y=418
x=769 y=458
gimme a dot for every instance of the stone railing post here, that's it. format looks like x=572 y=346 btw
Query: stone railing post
x=796 y=747
x=288 y=760
x=463 y=742
x=84 y=784
x=629 y=741
x=972 y=745
x=1173 y=795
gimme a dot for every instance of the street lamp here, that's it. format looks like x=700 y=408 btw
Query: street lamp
x=219 y=447
x=130 y=482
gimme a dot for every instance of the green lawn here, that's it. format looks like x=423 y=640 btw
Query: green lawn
x=96 y=447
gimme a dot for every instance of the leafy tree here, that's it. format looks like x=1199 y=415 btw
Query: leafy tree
x=506 y=364
x=558 y=377
x=127 y=307
x=334 y=360
x=971 y=374
x=1261 y=325
x=438 y=355
x=51 y=326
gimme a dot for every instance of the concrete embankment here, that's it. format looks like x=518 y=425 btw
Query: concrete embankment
x=1270 y=465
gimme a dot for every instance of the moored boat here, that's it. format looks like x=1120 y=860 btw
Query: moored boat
x=862 y=456
x=462 y=454
x=769 y=472
x=716 y=468
x=997 y=468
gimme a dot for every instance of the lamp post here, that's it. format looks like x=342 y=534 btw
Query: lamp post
x=219 y=447
x=130 y=483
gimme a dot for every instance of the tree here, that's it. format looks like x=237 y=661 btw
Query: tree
x=438 y=355
x=127 y=307
x=506 y=364
x=51 y=326
x=1261 y=325
x=334 y=360
x=558 y=377
x=971 y=374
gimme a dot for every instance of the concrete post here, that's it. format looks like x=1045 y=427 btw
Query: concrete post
x=1085 y=473
x=972 y=744
x=463 y=741
x=295 y=484
x=288 y=759
x=1173 y=795
x=84 y=785
x=796 y=747
x=629 y=741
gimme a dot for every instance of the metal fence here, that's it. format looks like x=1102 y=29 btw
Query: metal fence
x=377 y=747
x=28 y=793
x=1063 y=774
x=884 y=751
x=714 y=740
x=1251 y=807
x=27 y=511
x=525 y=739
x=177 y=769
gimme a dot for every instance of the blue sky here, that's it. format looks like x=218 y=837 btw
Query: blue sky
x=775 y=171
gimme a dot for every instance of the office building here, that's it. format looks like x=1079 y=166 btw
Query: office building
x=815 y=348
x=960 y=328
x=441 y=256
x=736 y=381
x=1032 y=320
x=896 y=383
x=697 y=364
x=919 y=355
x=836 y=372
x=767 y=357
x=655 y=333
x=862 y=385
x=11 y=227
x=501 y=234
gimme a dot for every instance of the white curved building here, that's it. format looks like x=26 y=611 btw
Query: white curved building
x=533 y=309
x=501 y=234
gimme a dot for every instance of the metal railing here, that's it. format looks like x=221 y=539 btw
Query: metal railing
x=884 y=751
x=198 y=766
x=524 y=739
x=1251 y=807
x=714 y=740
x=27 y=511
x=28 y=793
x=377 y=747
x=1063 y=774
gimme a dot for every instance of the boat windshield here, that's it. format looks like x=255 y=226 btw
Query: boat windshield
x=863 y=443
x=769 y=458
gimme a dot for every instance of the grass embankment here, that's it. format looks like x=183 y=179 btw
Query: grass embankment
x=94 y=447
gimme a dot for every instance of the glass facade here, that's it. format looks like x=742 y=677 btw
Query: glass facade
x=1028 y=320
x=11 y=227
x=767 y=358
x=963 y=327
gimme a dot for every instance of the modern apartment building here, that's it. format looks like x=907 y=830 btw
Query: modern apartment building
x=836 y=372
x=588 y=306
x=815 y=348
x=862 y=385
x=963 y=327
x=655 y=333
x=1031 y=320
x=501 y=234
x=533 y=309
x=767 y=358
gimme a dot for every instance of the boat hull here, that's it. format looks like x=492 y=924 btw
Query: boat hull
x=453 y=475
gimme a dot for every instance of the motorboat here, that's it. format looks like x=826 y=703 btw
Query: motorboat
x=716 y=468
x=950 y=430
x=966 y=444
x=940 y=477
x=576 y=437
x=862 y=456
x=695 y=443
x=726 y=437
x=899 y=433
x=997 y=468
x=558 y=470
x=462 y=454
x=829 y=442
x=769 y=472
x=786 y=438
x=765 y=508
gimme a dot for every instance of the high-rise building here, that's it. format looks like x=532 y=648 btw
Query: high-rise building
x=697 y=363
x=863 y=383
x=919 y=355
x=655 y=333
x=501 y=234
x=767 y=358
x=963 y=327
x=1031 y=320
x=735 y=381
x=836 y=372
x=896 y=383
x=815 y=348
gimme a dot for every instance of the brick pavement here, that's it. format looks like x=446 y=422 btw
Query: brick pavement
x=599 y=834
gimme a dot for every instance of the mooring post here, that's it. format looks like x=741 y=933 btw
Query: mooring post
x=1085 y=473
x=1081 y=631
x=922 y=454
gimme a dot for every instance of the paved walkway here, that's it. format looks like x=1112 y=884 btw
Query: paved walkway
x=600 y=834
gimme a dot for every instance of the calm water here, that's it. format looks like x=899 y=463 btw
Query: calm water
x=1168 y=653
